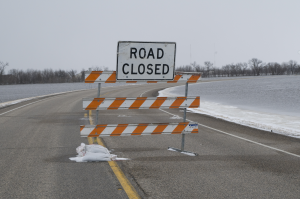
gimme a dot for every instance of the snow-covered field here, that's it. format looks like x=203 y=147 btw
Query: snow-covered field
x=278 y=113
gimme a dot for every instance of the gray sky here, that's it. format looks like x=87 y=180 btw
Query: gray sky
x=77 y=34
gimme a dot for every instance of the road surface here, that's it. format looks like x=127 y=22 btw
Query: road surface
x=39 y=136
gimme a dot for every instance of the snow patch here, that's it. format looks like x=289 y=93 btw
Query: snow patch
x=183 y=152
x=187 y=153
x=170 y=149
x=175 y=117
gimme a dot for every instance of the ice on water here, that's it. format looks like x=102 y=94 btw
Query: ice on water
x=268 y=103
x=12 y=94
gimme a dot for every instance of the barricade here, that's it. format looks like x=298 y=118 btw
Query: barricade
x=102 y=130
x=132 y=63
x=110 y=77
x=140 y=103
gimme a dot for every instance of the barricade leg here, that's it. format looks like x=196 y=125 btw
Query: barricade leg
x=183 y=135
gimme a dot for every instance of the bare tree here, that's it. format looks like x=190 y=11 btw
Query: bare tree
x=187 y=68
x=218 y=72
x=233 y=69
x=278 y=69
x=272 y=68
x=265 y=69
x=82 y=75
x=31 y=76
x=208 y=65
x=226 y=70
x=198 y=68
x=256 y=66
x=100 y=68
x=72 y=74
x=238 y=69
x=292 y=66
x=2 y=70
x=193 y=65
x=105 y=68
x=242 y=68
x=2 y=67
x=298 y=69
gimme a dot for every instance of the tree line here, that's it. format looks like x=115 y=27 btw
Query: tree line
x=30 y=76
x=254 y=67
x=43 y=76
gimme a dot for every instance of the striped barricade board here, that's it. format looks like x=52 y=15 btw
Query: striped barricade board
x=110 y=77
x=102 y=130
x=140 y=103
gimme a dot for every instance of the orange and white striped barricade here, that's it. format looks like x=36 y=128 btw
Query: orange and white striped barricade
x=103 y=130
x=140 y=103
x=110 y=77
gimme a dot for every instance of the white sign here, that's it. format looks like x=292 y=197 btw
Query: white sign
x=145 y=61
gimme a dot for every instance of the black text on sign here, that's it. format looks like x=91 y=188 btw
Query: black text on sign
x=146 y=61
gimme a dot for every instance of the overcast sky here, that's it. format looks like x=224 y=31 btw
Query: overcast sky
x=77 y=34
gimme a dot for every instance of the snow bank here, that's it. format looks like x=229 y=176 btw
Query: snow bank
x=15 y=102
x=277 y=123
x=30 y=98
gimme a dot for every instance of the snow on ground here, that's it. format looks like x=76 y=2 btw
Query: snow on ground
x=281 y=124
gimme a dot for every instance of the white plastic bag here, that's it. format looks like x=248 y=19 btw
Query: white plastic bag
x=94 y=148
x=96 y=157
x=81 y=150
x=94 y=153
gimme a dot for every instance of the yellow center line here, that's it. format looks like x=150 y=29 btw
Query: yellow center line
x=90 y=111
x=90 y=139
x=128 y=188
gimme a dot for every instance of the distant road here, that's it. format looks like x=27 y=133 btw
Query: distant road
x=234 y=161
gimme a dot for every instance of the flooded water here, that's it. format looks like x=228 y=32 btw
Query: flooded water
x=21 y=91
x=269 y=103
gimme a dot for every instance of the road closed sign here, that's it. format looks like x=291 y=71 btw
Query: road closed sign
x=145 y=61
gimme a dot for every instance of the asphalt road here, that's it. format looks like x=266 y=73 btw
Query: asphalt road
x=234 y=161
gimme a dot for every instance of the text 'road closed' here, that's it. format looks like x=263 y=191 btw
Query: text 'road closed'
x=146 y=61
